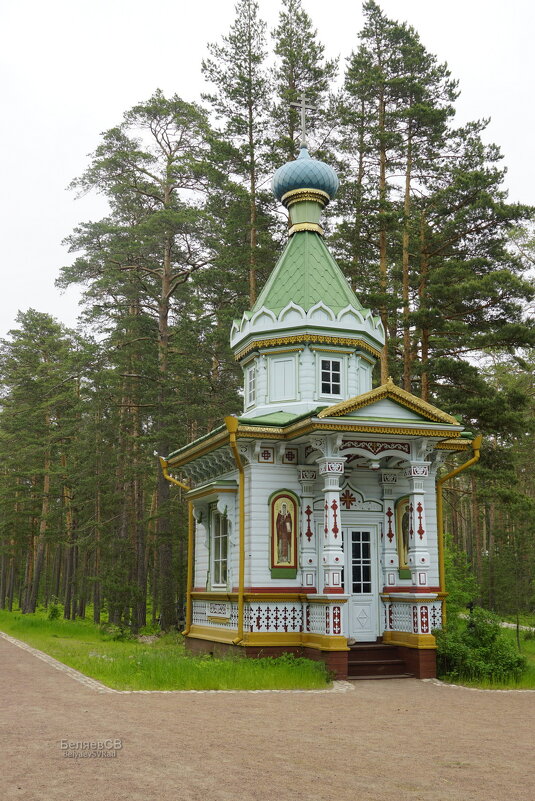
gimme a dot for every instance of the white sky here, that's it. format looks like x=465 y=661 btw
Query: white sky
x=70 y=68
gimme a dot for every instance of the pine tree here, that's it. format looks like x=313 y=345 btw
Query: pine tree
x=236 y=68
x=37 y=425
x=300 y=67
x=135 y=262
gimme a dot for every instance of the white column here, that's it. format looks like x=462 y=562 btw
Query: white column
x=308 y=552
x=332 y=558
x=418 y=559
x=390 y=558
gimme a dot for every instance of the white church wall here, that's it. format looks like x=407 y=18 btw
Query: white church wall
x=266 y=479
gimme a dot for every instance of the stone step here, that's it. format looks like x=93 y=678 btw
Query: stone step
x=386 y=676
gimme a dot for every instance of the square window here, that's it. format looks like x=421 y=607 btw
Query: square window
x=331 y=383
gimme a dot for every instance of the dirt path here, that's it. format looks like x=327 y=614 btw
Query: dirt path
x=399 y=740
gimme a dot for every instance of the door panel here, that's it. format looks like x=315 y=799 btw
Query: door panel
x=361 y=561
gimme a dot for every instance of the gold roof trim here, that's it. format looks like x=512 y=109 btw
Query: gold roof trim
x=455 y=445
x=308 y=427
x=298 y=195
x=306 y=226
x=391 y=391
x=308 y=338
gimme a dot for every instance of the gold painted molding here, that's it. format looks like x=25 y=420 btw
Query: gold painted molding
x=306 y=226
x=395 y=393
x=214 y=634
x=455 y=445
x=300 y=195
x=308 y=338
x=299 y=429
x=420 y=641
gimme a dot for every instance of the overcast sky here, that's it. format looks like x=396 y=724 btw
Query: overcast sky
x=70 y=68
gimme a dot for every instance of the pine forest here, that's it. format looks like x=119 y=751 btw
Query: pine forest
x=423 y=230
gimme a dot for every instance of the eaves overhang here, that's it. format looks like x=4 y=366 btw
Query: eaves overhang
x=205 y=444
x=448 y=436
x=310 y=335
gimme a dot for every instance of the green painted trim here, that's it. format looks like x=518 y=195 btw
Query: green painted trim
x=283 y=572
x=264 y=422
x=284 y=491
x=404 y=573
x=195 y=442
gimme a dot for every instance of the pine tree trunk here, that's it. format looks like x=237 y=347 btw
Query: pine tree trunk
x=383 y=257
x=357 y=224
x=167 y=588
x=422 y=292
x=11 y=585
x=407 y=350
x=252 y=208
x=33 y=595
x=3 y=580
x=476 y=528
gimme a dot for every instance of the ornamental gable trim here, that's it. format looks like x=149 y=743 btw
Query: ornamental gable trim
x=394 y=393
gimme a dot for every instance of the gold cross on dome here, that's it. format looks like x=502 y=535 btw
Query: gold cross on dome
x=303 y=107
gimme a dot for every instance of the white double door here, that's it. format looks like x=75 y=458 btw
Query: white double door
x=361 y=580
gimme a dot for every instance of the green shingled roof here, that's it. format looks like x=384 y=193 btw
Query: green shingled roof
x=306 y=273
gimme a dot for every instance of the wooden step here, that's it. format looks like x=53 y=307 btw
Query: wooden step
x=376 y=660
x=377 y=667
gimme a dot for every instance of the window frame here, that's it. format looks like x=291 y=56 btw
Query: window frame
x=250 y=385
x=219 y=561
x=330 y=372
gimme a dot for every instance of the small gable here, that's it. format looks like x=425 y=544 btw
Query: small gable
x=389 y=402
x=385 y=409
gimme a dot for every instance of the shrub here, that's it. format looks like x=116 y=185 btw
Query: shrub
x=476 y=649
x=54 y=611
x=118 y=633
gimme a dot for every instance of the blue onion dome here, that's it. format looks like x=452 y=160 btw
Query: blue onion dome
x=304 y=173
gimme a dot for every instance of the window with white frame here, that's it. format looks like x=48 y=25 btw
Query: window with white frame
x=219 y=543
x=251 y=385
x=331 y=382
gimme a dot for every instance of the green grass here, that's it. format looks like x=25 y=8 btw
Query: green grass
x=162 y=665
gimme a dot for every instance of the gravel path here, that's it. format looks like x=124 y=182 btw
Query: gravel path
x=398 y=740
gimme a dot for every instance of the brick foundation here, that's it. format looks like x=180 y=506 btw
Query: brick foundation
x=422 y=662
x=335 y=661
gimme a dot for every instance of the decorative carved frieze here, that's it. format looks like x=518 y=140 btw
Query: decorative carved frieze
x=388 y=477
x=331 y=467
x=373 y=447
x=305 y=473
x=416 y=471
x=210 y=466
x=266 y=455
x=290 y=456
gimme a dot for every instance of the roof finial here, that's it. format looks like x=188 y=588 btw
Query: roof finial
x=303 y=107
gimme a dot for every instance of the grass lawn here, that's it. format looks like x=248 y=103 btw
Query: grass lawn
x=161 y=665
